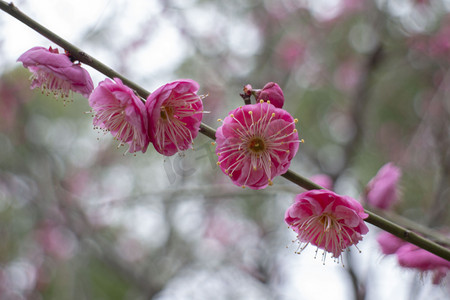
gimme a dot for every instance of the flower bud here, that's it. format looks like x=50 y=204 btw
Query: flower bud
x=248 y=89
x=273 y=93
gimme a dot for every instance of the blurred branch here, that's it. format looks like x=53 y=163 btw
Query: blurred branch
x=359 y=286
x=82 y=56
x=441 y=135
x=436 y=120
x=102 y=249
x=358 y=107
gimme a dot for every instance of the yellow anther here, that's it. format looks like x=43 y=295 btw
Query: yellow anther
x=273 y=115
x=302 y=141
x=213 y=143
x=295 y=130
x=268 y=101
x=232 y=115
x=254 y=168
x=218 y=163
x=261 y=101
x=219 y=120
x=243 y=186
x=295 y=120
x=270 y=182
x=250 y=113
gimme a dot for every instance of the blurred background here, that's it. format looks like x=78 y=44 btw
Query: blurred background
x=368 y=81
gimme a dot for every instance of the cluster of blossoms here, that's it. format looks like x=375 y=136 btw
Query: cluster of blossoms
x=170 y=117
x=255 y=143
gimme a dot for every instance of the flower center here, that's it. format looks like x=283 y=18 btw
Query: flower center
x=328 y=222
x=166 y=112
x=256 y=145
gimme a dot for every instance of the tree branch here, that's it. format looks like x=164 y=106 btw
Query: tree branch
x=83 y=57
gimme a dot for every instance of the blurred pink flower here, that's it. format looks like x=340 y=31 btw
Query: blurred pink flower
x=422 y=2
x=291 y=52
x=327 y=220
x=271 y=92
x=435 y=45
x=56 y=73
x=347 y=75
x=389 y=243
x=56 y=240
x=439 y=44
x=255 y=143
x=382 y=190
x=227 y=229
x=323 y=180
x=13 y=94
x=175 y=113
x=411 y=256
x=118 y=110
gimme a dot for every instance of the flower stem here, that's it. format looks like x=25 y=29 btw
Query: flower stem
x=301 y=181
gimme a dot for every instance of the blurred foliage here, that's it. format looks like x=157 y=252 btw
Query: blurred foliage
x=368 y=82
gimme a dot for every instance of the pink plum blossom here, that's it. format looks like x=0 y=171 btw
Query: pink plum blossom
x=382 y=191
x=117 y=109
x=175 y=113
x=56 y=73
x=271 y=92
x=255 y=143
x=327 y=220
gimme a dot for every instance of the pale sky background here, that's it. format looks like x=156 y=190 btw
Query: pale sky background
x=70 y=19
